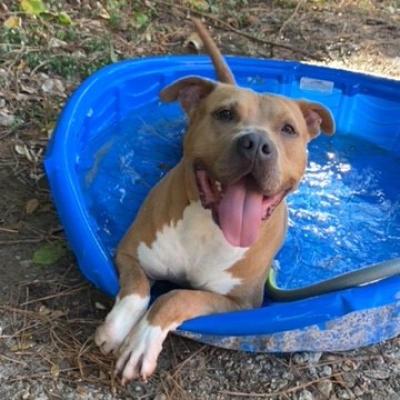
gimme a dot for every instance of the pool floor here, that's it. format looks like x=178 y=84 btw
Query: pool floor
x=345 y=215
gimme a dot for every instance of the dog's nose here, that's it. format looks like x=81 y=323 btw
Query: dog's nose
x=254 y=145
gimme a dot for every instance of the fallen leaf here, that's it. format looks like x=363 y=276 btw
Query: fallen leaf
x=33 y=7
x=43 y=310
x=13 y=22
x=57 y=314
x=27 y=89
x=102 y=12
x=64 y=18
x=193 y=42
x=55 y=371
x=47 y=312
x=49 y=253
x=31 y=206
x=23 y=344
x=23 y=150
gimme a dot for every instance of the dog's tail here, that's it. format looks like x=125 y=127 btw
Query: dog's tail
x=224 y=74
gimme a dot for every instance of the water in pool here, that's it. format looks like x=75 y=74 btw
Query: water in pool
x=345 y=215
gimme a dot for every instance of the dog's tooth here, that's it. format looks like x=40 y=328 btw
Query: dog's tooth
x=218 y=185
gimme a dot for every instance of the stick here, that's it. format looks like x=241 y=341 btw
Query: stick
x=297 y=8
x=228 y=27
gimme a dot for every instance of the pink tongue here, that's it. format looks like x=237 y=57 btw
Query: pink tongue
x=240 y=214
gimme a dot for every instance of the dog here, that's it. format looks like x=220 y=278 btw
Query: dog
x=215 y=222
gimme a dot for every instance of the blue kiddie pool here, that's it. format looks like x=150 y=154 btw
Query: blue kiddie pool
x=115 y=140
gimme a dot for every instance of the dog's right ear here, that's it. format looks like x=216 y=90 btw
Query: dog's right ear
x=188 y=91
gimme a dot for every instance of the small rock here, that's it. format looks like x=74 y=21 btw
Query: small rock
x=377 y=374
x=345 y=394
x=326 y=371
x=160 y=396
x=25 y=395
x=314 y=357
x=56 y=43
x=53 y=86
x=298 y=358
x=325 y=387
x=99 y=306
x=307 y=357
x=6 y=119
x=358 y=391
x=25 y=263
x=137 y=388
x=306 y=395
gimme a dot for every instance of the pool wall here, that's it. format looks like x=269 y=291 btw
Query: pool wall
x=366 y=106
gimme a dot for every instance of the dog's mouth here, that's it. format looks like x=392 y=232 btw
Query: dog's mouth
x=238 y=208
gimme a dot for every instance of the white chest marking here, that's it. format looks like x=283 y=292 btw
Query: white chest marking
x=194 y=251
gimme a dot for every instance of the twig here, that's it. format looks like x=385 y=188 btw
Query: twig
x=60 y=294
x=285 y=24
x=2 y=356
x=19 y=241
x=184 y=362
x=8 y=230
x=228 y=27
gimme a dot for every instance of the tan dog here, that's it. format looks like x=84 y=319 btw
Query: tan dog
x=216 y=221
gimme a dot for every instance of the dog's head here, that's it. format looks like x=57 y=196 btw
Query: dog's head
x=247 y=150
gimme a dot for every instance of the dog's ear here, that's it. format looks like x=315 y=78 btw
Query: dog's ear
x=318 y=118
x=188 y=91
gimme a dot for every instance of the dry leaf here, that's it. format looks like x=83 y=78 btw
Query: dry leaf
x=54 y=314
x=13 y=22
x=31 y=206
x=193 y=42
x=43 y=310
x=55 y=371
x=24 y=344
x=23 y=150
x=102 y=12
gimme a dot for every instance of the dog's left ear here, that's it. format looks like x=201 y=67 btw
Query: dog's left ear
x=189 y=91
x=318 y=118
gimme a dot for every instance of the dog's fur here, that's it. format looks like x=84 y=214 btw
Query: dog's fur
x=240 y=148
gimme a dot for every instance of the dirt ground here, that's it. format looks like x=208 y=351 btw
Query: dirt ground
x=48 y=313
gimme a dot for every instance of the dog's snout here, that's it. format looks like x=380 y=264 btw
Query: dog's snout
x=254 y=145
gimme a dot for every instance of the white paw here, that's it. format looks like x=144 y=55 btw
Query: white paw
x=139 y=353
x=119 y=322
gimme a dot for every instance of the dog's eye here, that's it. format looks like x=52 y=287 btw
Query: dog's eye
x=225 y=115
x=288 y=129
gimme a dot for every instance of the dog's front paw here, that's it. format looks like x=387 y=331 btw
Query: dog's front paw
x=139 y=353
x=123 y=316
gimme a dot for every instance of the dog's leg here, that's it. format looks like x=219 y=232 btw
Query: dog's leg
x=131 y=303
x=139 y=352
